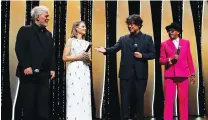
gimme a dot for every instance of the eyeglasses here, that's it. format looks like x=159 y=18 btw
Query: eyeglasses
x=171 y=30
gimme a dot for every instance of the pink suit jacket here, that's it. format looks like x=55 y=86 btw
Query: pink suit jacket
x=184 y=66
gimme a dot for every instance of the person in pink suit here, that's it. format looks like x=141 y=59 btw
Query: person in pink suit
x=175 y=54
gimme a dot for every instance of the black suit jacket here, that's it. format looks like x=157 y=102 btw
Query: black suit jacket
x=128 y=61
x=30 y=49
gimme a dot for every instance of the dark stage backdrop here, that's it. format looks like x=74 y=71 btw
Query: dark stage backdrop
x=105 y=21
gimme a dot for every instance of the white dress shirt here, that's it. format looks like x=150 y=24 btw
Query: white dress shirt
x=176 y=42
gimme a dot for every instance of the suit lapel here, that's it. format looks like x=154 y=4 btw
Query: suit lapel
x=140 y=41
x=171 y=45
x=130 y=43
x=131 y=47
x=40 y=41
x=38 y=37
x=180 y=42
x=135 y=41
x=50 y=40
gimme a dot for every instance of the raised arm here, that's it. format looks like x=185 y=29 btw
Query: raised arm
x=109 y=50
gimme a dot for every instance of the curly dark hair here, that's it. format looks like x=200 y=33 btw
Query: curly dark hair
x=134 y=19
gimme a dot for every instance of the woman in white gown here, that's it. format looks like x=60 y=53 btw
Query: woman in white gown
x=78 y=89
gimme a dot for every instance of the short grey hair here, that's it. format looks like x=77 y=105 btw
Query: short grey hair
x=38 y=10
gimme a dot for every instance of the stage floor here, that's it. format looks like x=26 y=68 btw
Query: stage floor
x=176 y=118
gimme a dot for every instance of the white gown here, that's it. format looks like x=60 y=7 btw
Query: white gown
x=78 y=89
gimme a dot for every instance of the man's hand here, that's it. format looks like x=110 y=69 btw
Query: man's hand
x=28 y=71
x=137 y=54
x=52 y=74
x=192 y=79
x=100 y=49
x=176 y=57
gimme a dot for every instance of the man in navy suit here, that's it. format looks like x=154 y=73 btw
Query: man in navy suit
x=136 y=49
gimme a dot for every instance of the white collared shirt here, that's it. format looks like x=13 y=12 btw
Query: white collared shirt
x=176 y=42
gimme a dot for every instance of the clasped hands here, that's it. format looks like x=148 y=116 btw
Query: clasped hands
x=85 y=57
x=173 y=59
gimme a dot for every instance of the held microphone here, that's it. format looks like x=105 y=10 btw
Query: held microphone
x=88 y=48
x=37 y=71
x=178 y=50
x=174 y=61
x=135 y=47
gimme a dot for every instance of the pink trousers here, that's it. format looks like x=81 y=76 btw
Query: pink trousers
x=170 y=89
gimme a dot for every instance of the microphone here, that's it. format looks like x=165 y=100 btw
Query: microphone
x=37 y=71
x=88 y=48
x=178 y=50
x=135 y=47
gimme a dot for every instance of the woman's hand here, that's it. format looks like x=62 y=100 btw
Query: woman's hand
x=84 y=56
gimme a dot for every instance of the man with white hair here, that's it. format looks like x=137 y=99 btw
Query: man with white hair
x=36 y=56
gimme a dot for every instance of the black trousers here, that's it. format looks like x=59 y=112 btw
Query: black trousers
x=33 y=97
x=132 y=97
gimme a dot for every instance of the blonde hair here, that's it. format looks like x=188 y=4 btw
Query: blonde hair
x=74 y=31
